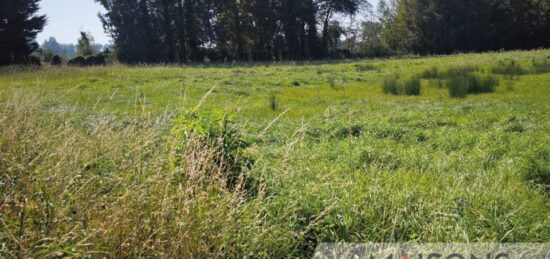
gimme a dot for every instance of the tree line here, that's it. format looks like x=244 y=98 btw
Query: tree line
x=195 y=31
x=181 y=31
x=448 y=26
x=222 y=30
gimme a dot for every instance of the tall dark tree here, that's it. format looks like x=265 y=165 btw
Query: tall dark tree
x=331 y=7
x=19 y=26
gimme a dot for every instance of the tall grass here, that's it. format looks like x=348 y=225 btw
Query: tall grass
x=460 y=86
x=541 y=67
x=399 y=86
x=510 y=69
x=105 y=189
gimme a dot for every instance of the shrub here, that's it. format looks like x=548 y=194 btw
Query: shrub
x=77 y=61
x=34 y=61
x=56 y=60
x=216 y=132
x=398 y=86
x=509 y=69
x=95 y=60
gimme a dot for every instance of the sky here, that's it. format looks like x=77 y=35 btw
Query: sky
x=66 y=18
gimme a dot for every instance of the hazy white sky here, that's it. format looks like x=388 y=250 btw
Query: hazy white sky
x=66 y=18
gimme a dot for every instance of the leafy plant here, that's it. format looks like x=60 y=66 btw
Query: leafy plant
x=216 y=131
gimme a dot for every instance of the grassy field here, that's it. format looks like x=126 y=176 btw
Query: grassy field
x=268 y=160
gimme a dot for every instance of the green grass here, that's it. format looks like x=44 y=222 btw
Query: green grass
x=270 y=159
x=460 y=86
x=397 y=86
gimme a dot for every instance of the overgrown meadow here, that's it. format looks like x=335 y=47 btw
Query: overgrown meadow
x=269 y=160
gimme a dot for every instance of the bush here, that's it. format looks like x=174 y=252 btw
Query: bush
x=34 y=61
x=56 y=61
x=216 y=132
x=398 y=86
x=95 y=60
x=77 y=61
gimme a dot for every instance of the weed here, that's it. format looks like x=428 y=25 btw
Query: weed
x=273 y=101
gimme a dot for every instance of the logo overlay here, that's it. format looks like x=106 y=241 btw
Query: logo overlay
x=435 y=251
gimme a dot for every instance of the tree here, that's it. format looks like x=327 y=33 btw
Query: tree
x=19 y=26
x=331 y=7
x=86 y=45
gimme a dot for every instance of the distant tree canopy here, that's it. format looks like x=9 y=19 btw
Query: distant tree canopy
x=56 y=48
x=446 y=26
x=19 y=26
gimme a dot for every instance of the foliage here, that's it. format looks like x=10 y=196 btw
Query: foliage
x=444 y=26
x=170 y=31
x=56 y=61
x=85 y=46
x=19 y=26
x=216 y=132
x=94 y=60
